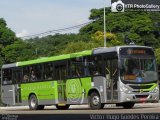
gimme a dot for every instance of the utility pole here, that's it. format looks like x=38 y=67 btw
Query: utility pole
x=104 y=24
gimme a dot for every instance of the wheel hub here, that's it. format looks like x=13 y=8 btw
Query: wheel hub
x=33 y=103
x=95 y=100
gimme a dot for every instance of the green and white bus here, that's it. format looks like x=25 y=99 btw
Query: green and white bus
x=121 y=75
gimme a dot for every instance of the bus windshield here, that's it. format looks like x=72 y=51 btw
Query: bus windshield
x=138 y=69
x=137 y=64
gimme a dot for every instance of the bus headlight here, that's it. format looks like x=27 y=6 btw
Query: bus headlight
x=156 y=89
x=125 y=89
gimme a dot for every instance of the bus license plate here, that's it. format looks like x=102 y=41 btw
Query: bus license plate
x=142 y=99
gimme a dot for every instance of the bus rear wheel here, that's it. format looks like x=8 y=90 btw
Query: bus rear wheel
x=33 y=103
x=95 y=101
x=62 y=107
x=128 y=105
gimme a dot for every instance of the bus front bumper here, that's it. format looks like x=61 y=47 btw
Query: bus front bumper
x=139 y=97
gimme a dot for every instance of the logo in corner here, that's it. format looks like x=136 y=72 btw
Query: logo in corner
x=117 y=6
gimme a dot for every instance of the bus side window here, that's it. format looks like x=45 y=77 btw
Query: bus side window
x=17 y=74
x=96 y=67
x=32 y=73
x=35 y=72
x=33 y=76
x=7 y=76
x=25 y=74
x=77 y=67
x=48 y=71
x=60 y=70
x=38 y=71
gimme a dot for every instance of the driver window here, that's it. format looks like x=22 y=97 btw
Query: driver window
x=96 y=66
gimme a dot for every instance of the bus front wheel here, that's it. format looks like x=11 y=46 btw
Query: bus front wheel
x=95 y=101
x=33 y=103
x=128 y=105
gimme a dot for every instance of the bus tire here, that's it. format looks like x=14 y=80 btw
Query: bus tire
x=40 y=107
x=33 y=103
x=62 y=107
x=95 y=101
x=128 y=105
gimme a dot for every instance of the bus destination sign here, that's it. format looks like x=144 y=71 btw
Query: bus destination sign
x=130 y=51
x=136 y=51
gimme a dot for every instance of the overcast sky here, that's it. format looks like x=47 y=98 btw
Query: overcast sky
x=26 y=17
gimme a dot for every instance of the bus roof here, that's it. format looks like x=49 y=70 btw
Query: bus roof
x=67 y=56
x=104 y=50
x=55 y=58
x=48 y=59
x=9 y=65
x=114 y=49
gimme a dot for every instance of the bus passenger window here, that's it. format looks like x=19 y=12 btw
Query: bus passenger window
x=17 y=75
x=25 y=78
x=48 y=71
x=77 y=67
x=33 y=76
x=25 y=74
x=35 y=72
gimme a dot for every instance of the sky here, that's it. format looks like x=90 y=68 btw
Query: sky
x=28 y=17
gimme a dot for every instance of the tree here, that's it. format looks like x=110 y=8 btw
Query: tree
x=111 y=39
x=142 y=27
x=7 y=37
x=54 y=44
x=76 y=47
x=18 y=51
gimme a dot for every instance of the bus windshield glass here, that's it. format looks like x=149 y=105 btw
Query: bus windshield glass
x=138 y=67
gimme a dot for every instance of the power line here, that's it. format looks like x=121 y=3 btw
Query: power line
x=55 y=31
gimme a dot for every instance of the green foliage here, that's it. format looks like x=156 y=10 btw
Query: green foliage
x=7 y=36
x=158 y=55
x=18 y=51
x=111 y=39
x=97 y=14
x=77 y=47
x=141 y=27
x=2 y=22
x=54 y=45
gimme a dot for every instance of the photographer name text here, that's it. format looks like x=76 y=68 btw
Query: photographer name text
x=124 y=116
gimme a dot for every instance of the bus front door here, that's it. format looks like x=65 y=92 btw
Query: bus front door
x=112 y=78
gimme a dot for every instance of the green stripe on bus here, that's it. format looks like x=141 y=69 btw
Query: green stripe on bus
x=153 y=86
x=55 y=58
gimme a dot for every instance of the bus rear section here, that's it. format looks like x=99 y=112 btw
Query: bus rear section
x=10 y=87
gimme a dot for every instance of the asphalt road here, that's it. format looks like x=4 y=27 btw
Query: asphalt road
x=83 y=109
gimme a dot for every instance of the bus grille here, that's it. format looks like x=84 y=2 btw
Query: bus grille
x=141 y=96
x=141 y=87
